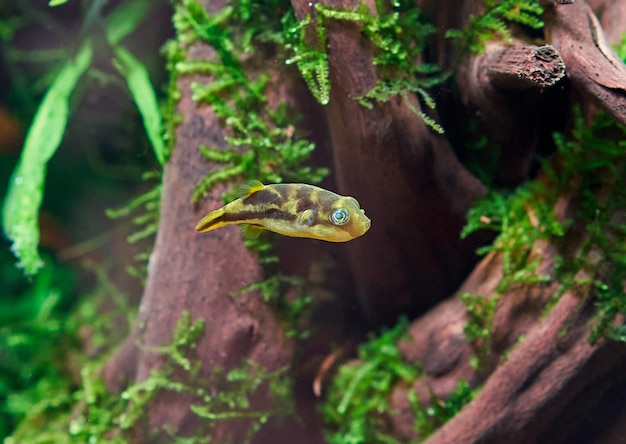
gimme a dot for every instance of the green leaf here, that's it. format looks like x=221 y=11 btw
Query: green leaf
x=143 y=94
x=57 y=2
x=124 y=19
x=25 y=193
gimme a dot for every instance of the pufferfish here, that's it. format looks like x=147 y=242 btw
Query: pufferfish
x=291 y=209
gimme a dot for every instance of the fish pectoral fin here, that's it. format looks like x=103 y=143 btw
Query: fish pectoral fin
x=306 y=218
x=249 y=187
x=250 y=232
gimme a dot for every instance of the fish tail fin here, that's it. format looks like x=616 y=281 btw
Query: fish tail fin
x=211 y=221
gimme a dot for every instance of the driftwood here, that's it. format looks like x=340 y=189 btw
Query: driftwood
x=552 y=380
x=198 y=273
x=408 y=179
x=592 y=65
x=515 y=79
x=417 y=193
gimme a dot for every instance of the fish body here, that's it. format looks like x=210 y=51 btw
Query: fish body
x=292 y=209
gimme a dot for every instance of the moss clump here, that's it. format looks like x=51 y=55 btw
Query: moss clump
x=398 y=32
x=440 y=411
x=589 y=166
x=358 y=399
x=357 y=406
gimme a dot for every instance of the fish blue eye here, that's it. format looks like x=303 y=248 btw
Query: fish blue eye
x=339 y=216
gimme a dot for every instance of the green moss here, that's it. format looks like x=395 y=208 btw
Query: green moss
x=292 y=311
x=263 y=143
x=398 y=33
x=186 y=335
x=358 y=399
x=230 y=397
x=521 y=219
x=587 y=168
x=146 y=210
x=84 y=411
x=311 y=59
x=440 y=411
x=493 y=22
x=357 y=408
x=478 y=328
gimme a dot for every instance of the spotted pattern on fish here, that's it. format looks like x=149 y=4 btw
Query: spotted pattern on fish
x=284 y=192
x=297 y=210
x=264 y=196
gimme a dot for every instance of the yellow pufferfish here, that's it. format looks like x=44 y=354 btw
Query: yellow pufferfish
x=291 y=209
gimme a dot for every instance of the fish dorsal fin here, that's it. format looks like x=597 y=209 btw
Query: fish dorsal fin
x=249 y=232
x=249 y=187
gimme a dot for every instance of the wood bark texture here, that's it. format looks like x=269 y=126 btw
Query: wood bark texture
x=406 y=176
x=198 y=273
x=554 y=384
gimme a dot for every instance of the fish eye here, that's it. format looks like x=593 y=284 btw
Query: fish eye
x=339 y=216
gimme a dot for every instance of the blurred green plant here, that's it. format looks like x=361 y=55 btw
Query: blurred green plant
x=32 y=336
x=45 y=134
x=145 y=209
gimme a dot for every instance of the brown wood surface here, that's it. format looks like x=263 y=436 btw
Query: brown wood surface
x=198 y=273
x=406 y=177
